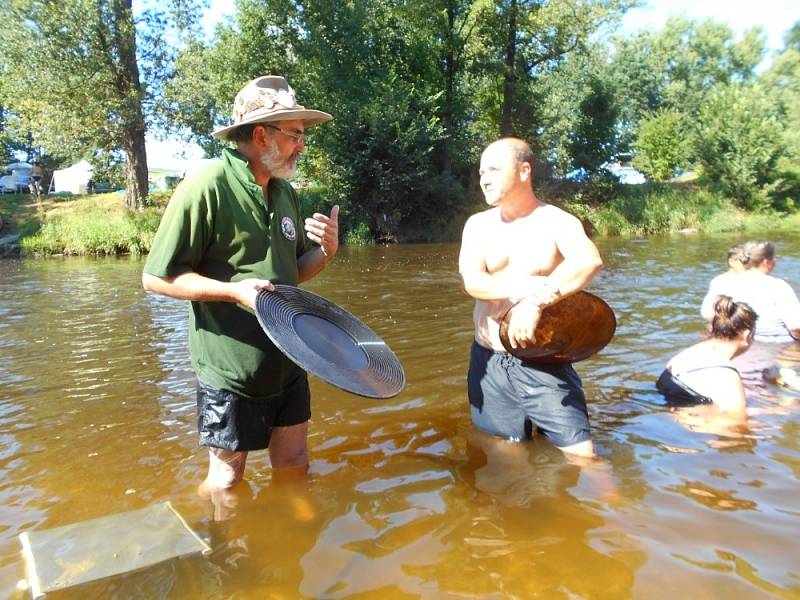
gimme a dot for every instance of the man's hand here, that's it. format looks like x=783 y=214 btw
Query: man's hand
x=246 y=291
x=325 y=231
x=522 y=324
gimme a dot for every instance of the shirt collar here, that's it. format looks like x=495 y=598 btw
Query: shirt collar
x=240 y=167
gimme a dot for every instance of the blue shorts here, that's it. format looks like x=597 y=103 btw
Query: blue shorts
x=230 y=421
x=509 y=398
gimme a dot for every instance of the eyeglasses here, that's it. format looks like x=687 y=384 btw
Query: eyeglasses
x=300 y=136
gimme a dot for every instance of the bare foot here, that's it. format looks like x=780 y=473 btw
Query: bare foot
x=225 y=500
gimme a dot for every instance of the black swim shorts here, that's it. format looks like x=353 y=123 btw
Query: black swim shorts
x=506 y=394
x=227 y=420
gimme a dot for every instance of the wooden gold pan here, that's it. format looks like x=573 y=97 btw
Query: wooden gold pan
x=568 y=331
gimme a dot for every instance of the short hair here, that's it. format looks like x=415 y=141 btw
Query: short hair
x=755 y=252
x=243 y=134
x=519 y=149
x=731 y=318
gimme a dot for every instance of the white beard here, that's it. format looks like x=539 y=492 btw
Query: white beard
x=271 y=161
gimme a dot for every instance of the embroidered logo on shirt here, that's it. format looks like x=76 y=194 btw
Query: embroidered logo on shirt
x=287 y=229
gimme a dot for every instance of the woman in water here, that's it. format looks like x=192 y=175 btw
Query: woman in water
x=772 y=298
x=704 y=373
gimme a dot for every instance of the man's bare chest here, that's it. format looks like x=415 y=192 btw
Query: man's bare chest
x=527 y=250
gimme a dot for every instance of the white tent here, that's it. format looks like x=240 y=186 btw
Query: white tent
x=74 y=179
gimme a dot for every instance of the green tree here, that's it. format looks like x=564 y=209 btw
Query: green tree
x=73 y=76
x=375 y=65
x=579 y=112
x=520 y=41
x=9 y=142
x=791 y=40
x=676 y=67
x=782 y=80
x=738 y=142
x=662 y=144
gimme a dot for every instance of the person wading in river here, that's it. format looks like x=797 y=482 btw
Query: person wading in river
x=226 y=234
x=524 y=252
x=773 y=299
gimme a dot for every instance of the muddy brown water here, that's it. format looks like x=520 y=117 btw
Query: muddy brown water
x=402 y=499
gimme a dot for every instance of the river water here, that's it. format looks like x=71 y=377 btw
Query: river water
x=402 y=499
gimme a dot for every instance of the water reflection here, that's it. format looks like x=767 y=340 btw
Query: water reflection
x=402 y=499
x=529 y=501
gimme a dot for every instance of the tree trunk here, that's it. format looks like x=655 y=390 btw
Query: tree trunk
x=135 y=169
x=130 y=92
x=509 y=82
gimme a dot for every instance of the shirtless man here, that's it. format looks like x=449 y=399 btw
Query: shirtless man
x=533 y=254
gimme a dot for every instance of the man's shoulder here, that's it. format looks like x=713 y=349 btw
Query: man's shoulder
x=490 y=214
x=553 y=212
x=211 y=172
x=283 y=194
x=197 y=184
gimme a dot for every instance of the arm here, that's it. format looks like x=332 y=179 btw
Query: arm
x=707 y=308
x=178 y=245
x=581 y=262
x=581 y=259
x=789 y=307
x=324 y=231
x=193 y=286
x=729 y=394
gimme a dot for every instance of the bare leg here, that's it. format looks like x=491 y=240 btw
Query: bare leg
x=225 y=470
x=288 y=452
x=584 y=449
x=292 y=483
x=288 y=446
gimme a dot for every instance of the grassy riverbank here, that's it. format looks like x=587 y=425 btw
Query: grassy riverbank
x=80 y=225
x=100 y=223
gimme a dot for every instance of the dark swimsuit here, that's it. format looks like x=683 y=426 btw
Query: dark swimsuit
x=678 y=393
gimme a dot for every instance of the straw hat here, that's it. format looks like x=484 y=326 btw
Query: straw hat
x=269 y=98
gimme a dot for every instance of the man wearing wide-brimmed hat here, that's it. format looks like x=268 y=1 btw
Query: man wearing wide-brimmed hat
x=227 y=233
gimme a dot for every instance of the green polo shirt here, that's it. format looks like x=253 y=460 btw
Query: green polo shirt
x=220 y=225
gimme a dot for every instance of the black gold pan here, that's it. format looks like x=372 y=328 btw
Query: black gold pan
x=329 y=342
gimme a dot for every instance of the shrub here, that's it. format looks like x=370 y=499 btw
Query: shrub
x=662 y=145
x=315 y=198
x=359 y=235
x=738 y=143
